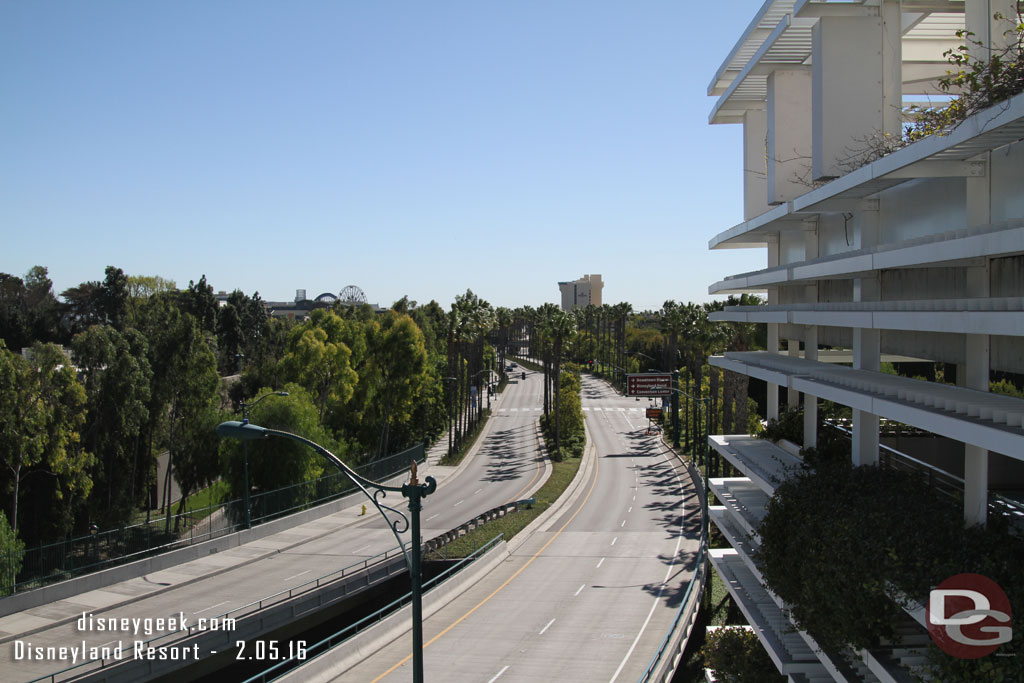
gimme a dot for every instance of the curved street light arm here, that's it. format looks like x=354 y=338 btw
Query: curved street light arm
x=249 y=431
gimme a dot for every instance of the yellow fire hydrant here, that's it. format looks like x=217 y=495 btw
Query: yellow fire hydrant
x=363 y=512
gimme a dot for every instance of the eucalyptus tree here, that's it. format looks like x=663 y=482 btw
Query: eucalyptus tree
x=397 y=372
x=277 y=463
x=190 y=391
x=319 y=357
x=198 y=301
x=42 y=410
x=118 y=380
x=29 y=311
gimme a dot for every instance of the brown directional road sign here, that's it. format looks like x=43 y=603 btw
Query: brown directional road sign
x=649 y=384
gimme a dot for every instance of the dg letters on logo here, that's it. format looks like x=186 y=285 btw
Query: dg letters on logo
x=964 y=616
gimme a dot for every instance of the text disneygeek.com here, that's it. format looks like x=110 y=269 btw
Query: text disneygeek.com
x=125 y=649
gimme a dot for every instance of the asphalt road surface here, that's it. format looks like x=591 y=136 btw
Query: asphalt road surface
x=590 y=596
x=506 y=468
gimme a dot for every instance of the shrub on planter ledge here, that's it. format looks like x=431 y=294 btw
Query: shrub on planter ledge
x=736 y=656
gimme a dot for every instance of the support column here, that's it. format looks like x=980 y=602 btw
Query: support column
x=810 y=402
x=974 y=374
x=866 y=356
x=773 y=389
x=866 y=342
x=772 y=400
x=792 y=395
x=992 y=35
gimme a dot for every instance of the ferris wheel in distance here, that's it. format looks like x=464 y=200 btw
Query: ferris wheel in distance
x=352 y=294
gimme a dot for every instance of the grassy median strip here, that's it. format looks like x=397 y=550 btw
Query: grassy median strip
x=510 y=525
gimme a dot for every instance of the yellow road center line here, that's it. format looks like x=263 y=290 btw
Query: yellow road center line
x=507 y=581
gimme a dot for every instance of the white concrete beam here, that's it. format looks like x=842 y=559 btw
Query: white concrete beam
x=789 y=135
x=755 y=163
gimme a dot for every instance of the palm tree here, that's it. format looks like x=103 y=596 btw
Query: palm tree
x=562 y=327
x=673 y=323
x=621 y=311
x=545 y=314
x=503 y=318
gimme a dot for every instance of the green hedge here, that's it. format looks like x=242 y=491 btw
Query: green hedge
x=836 y=537
x=736 y=656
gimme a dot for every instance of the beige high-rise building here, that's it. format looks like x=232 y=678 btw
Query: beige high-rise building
x=586 y=290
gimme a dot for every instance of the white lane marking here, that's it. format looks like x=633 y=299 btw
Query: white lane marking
x=499 y=674
x=630 y=509
x=207 y=609
x=547 y=627
x=598 y=408
x=536 y=410
x=582 y=586
x=354 y=552
x=615 y=539
x=295 y=576
x=459 y=503
x=586 y=408
x=599 y=564
x=657 y=598
x=515 y=410
x=622 y=410
x=623 y=524
x=477 y=491
x=634 y=498
x=431 y=517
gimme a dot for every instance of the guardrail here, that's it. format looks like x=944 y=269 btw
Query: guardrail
x=330 y=642
x=686 y=617
x=494 y=513
x=171 y=637
x=433 y=544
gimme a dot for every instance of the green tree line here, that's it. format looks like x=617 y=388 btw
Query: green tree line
x=98 y=382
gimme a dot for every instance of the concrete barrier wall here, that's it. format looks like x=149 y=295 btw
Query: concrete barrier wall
x=354 y=650
x=108 y=577
x=259 y=622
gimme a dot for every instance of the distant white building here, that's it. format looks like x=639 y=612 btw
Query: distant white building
x=582 y=292
x=917 y=253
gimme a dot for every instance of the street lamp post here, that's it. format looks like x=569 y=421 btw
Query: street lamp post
x=245 y=454
x=414 y=490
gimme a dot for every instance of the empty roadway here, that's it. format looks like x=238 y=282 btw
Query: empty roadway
x=505 y=468
x=590 y=595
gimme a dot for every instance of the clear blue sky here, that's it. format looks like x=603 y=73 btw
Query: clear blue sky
x=410 y=147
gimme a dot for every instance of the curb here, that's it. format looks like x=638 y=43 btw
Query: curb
x=363 y=645
x=568 y=497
